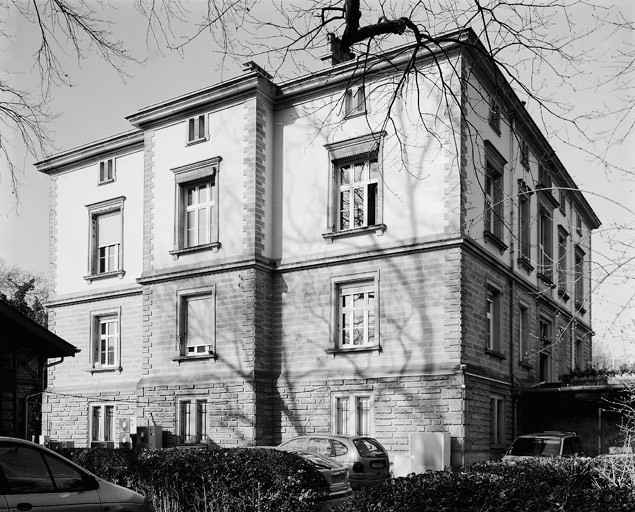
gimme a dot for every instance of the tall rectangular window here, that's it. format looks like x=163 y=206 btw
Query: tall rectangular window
x=342 y=415
x=524 y=154
x=196 y=212
x=524 y=224
x=352 y=414
x=196 y=129
x=545 y=335
x=497 y=420
x=355 y=101
x=192 y=421
x=545 y=249
x=196 y=322
x=357 y=315
x=493 y=188
x=524 y=334
x=579 y=277
x=493 y=319
x=494 y=118
x=105 y=340
x=102 y=422
x=106 y=239
x=563 y=270
x=355 y=188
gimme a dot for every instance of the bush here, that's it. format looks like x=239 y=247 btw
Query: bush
x=210 y=480
x=561 y=485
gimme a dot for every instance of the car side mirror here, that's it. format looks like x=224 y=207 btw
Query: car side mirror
x=90 y=483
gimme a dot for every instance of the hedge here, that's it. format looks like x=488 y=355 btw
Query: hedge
x=562 y=485
x=192 y=480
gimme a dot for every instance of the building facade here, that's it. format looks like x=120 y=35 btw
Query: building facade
x=258 y=260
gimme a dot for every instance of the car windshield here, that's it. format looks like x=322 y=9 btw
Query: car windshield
x=535 y=447
x=369 y=448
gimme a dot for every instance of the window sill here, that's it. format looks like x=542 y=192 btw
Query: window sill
x=105 y=182
x=525 y=263
x=379 y=229
x=215 y=246
x=203 y=357
x=335 y=351
x=356 y=113
x=104 y=369
x=495 y=240
x=196 y=141
x=105 y=275
x=562 y=293
x=495 y=353
x=546 y=279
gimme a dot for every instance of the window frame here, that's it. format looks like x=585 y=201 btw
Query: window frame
x=182 y=320
x=194 y=136
x=107 y=171
x=494 y=116
x=524 y=226
x=102 y=426
x=494 y=197
x=493 y=319
x=545 y=244
x=188 y=176
x=355 y=101
x=366 y=148
x=524 y=153
x=368 y=280
x=524 y=334
x=497 y=421
x=198 y=419
x=353 y=420
x=562 y=263
x=579 y=278
x=95 y=211
x=545 y=352
x=96 y=318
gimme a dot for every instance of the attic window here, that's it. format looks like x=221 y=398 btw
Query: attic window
x=196 y=129
x=355 y=101
x=107 y=171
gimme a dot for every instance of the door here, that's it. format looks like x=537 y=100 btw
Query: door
x=36 y=480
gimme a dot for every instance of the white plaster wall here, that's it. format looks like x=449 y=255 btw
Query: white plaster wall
x=226 y=139
x=75 y=190
x=415 y=167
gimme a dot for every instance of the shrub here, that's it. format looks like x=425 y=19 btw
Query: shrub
x=203 y=480
x=561 y=485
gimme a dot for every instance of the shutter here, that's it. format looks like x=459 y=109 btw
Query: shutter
x=109 y=229
x=200 y=320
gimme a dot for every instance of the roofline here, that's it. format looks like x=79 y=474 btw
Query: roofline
x=60 y=348
x=123 y=142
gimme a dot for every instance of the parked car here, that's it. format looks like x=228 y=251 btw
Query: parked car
x=365 y=457
x=33 y=477
x=545 y=444
x=333 y=472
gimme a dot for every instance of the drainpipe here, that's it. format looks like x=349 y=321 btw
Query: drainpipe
x=512 y=285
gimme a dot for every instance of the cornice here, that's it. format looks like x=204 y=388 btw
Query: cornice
x=251 y=83
x=116 y=145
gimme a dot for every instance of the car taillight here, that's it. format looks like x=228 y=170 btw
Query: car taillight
x=358 y=467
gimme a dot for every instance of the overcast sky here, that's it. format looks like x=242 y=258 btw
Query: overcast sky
x=96 y=105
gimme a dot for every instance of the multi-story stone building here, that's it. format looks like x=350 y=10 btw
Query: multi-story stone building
x=257 y=260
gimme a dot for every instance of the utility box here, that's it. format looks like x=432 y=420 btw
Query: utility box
x=429 y=451
x=149 y=437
